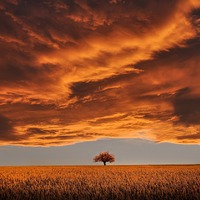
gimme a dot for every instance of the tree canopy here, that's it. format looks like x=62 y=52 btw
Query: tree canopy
x=104 y=157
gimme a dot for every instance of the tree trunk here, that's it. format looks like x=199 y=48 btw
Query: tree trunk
x=104 y=163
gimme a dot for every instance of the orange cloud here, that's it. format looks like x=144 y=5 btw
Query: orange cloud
x=83 y=70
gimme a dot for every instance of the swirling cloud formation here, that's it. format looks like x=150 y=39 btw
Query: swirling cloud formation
x=81 y=70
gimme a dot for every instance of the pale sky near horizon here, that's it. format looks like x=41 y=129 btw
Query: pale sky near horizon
x=126 y=151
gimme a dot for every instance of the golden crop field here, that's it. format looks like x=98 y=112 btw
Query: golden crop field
x=100 y=182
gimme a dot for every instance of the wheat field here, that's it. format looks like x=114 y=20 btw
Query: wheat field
x=100 y=182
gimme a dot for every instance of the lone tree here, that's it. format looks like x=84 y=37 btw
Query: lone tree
x=104 y=157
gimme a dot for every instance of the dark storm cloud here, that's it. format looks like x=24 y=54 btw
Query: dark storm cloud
x=83 y=89
x=6 y=128
x=186 y=101
x=183 y=55
x=38 y=131
x=86 y=69
x=189 y=137
x=7 y=131
x=186 y=106
x=20 y=70
x=195 y=19
x=47 y=21
x=188 y=110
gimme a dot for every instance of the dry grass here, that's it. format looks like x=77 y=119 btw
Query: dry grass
x=99 y=182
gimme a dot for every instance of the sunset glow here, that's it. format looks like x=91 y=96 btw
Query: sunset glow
x=74 y=71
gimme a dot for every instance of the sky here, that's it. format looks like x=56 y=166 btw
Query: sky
x=126 y=152
x=79 y=73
